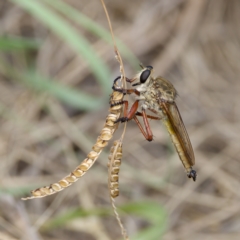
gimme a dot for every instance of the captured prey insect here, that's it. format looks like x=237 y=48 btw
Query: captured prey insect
x=158 y=96
x=110 y=126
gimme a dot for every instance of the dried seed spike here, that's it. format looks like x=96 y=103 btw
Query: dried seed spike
x=106 y=134
x=113 y=184
x=114 y=168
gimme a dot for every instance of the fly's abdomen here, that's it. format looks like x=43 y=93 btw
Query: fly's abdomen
x=177 y=144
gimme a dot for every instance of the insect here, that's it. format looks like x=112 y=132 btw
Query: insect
x=111 y=125
x=158 y=96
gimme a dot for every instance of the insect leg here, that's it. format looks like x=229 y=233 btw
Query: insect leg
x=130 y=80
x=124 y=91
x=132 y=115
x=128 y=115
x=148 y=133
x=148 y=116
x=127 y=79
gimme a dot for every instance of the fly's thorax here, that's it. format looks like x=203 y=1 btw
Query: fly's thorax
x=150 y=102
x=148 y=96
x=151 y=95
x=165 y=89
x=154 y=91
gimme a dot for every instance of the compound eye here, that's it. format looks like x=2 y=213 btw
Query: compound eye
x=144 y=76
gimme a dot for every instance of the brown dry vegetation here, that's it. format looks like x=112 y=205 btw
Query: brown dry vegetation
x=194 y=44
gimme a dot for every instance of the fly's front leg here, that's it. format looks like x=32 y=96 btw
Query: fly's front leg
x=128 y=115
x=126 y=91
x=122 y=90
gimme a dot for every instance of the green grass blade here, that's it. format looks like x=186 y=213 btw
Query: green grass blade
x=14 y=191
x=151 y=233
x=152 y=212
x=71 y=214
x=69 y=35
x=94 y=28
x=37 y=82
x=68 y=95
x=11 y=43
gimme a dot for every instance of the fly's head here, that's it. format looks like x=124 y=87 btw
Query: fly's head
x=144 y=78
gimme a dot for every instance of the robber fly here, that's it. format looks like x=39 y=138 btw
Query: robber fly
x=158 y=96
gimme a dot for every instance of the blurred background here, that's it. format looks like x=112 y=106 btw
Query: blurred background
x=57 y=65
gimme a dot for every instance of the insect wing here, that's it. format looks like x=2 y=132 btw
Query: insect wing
x=179 y=129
